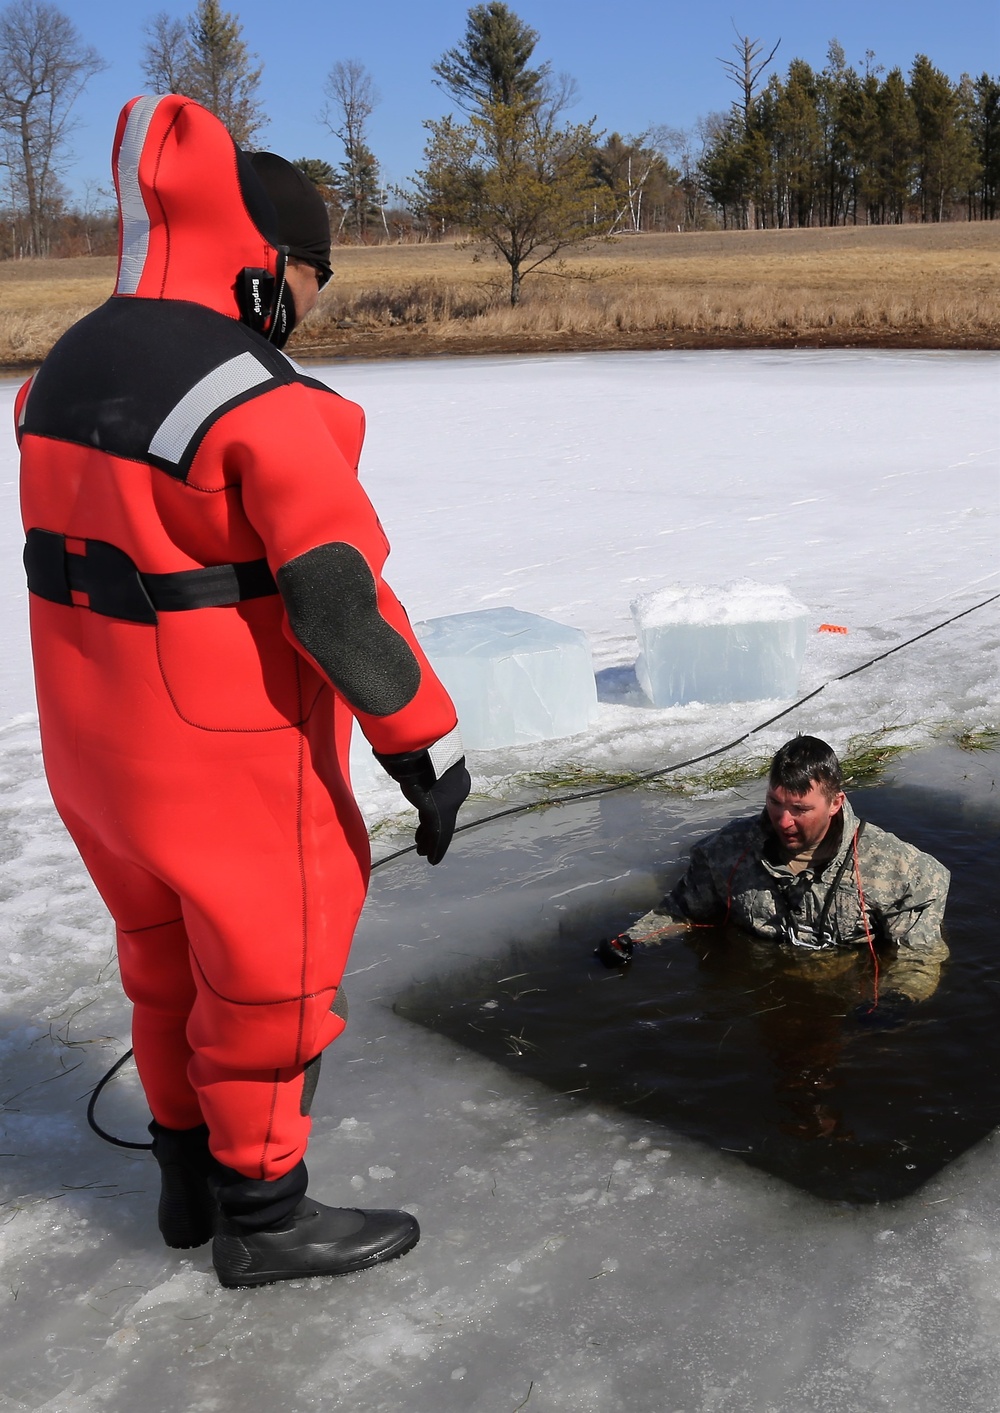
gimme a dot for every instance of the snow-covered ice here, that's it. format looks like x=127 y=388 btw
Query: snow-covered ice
x=738 y=642
x=573 y=1258
x=514 y=677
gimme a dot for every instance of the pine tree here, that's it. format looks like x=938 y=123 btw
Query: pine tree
x=490 y=66
x=207 y=59
x=944 y=154
x=726 y=170
x=983 y=120
x=515 y=180
x=798 y=146
x=897 y=126
x=860 y=121
x=324 y=179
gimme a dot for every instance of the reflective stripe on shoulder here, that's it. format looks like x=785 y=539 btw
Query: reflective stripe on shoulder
x=230 y=380
x=135 y=217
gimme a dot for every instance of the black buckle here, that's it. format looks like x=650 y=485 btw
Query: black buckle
x=116 y=589
x=105 y=574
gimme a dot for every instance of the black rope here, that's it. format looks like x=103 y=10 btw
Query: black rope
x=637 y=779
x=640 y=776
x=109 y=1137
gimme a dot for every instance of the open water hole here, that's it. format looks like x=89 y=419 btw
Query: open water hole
x=736 y=1044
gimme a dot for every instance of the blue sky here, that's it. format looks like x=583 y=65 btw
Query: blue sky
x=636 y=62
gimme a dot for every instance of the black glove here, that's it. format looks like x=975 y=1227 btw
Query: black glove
x=437 y=801
x=615 y=951
x=894 y=1009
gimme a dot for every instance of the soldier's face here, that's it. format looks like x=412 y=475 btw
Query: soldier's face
x=801 y=821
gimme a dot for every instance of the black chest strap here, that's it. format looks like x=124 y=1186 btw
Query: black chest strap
x=115 y=587
x=835 y=884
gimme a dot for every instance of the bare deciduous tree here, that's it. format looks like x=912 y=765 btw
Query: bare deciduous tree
x=206 y=58
x=745 y=70
x=44 y=66
x=625 y=166
x=351 y=100
x=164 y=52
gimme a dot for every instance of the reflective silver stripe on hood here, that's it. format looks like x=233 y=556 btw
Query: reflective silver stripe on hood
x=24 y=405
x=135 y=217
x=228 y=381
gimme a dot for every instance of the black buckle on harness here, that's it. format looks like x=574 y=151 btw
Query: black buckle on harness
x=115 y=587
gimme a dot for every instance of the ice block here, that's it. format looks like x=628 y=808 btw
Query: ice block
x=737 y=642
x=514 y=677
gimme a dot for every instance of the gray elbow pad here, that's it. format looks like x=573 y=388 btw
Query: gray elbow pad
x=331 y=599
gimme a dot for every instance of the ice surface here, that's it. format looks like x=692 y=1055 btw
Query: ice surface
x=574 y=1260
x=514 y=677
x=738 y=642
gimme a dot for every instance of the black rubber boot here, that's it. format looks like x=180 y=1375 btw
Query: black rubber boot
x=187 y=1210
x=308 y=1240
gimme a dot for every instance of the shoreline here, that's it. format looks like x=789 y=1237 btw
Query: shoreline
x=420 y=343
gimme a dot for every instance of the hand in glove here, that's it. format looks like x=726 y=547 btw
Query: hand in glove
x=615 y=951
x=894 y=1009
x=437 y=801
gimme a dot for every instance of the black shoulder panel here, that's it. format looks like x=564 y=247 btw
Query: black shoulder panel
x=331 y=599
x=145 y=378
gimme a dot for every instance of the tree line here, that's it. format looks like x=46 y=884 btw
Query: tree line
x=506 y=167
x=844 y=146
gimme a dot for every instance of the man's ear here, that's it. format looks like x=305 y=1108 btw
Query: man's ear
x=837 y=803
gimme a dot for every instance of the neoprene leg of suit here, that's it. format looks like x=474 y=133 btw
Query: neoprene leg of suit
x=254 y=1110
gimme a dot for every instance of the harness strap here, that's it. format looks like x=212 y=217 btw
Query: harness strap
x=819 y=928
x=117 y=589
x=828 y=900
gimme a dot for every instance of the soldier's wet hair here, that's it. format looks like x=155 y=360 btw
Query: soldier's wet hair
x=803 y=762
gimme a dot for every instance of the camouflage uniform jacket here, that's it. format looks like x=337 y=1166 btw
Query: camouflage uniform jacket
x=737 y=876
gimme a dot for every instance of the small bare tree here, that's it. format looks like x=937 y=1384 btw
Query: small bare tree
x=625 y=166
x=44 y=67
x=206 y=58
x=351 y=99
x=746 y=69
x=164 y=53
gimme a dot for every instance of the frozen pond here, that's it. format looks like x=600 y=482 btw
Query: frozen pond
x=576 y=1256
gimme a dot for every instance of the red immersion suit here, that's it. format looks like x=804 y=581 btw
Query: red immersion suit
x=207 y=614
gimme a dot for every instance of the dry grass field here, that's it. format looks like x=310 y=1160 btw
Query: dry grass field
x=909 y=286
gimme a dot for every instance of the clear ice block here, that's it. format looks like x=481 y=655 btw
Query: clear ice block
x=514 y=677
x=738 y=642
x=366 y=773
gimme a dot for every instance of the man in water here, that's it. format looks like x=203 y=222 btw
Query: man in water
x=809 y=876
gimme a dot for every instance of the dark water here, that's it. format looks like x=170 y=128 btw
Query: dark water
x=740 y=1046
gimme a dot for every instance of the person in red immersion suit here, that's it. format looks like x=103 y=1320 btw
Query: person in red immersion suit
x=208 y=616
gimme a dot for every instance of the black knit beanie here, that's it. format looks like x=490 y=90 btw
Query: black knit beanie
x=303 y=222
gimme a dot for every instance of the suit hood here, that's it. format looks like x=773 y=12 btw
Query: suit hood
x=194 y=214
